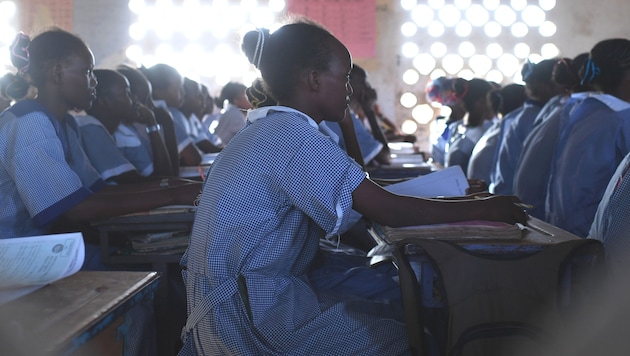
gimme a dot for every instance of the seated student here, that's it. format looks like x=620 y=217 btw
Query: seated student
x=47 y=183
x=611 y=224
x=540 y=87
x=193 y=107
x=594 y=139
x=141 y=89
x=390 y=129
x=232 y=118
x=210 y=115
x=483 y=158
x=254 y=288
x=479 y=117
x=373 y=150
x=168 y=92
x=114 y=104
x=533 y=167
x=441 y=91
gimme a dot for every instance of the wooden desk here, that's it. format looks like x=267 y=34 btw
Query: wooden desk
x=77 y=315
x=112 y=231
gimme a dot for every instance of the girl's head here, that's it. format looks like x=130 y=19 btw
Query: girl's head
x=607 y=68
x=473 y=95
x=506 y=99
x=234 y=93
x=208 y=101
x=303 y=66
x=57 y=63
x=538 y=80
x=139 y=84
x=167 y=84
x=194 y=101
x=566 y=72
x=114 y=98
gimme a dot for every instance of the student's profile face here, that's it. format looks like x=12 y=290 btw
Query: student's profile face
x=336 y=84
x=76 y=79
x=174 y=92
x=121 y=101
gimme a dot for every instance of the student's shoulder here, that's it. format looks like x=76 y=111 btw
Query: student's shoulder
x=23 y=115
x=87 y=120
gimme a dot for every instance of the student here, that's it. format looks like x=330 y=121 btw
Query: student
x=114 y=104
x=440 y=91
x=539 y=87
x=141 y=89
x=193 y=107
x=373 y=151
x=47 y=182
x=533 y=167
x=210 y=115
x=46 y=176
x=479 y=117
x=594 y=139
x=232 y=118
x=249 y=290
x=168 y=92
x=482 y=159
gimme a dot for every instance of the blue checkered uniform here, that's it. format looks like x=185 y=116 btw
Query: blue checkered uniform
x=271 y=194
x=101 y=149
x=135 y=145
x=43 y=171
x=611 y=225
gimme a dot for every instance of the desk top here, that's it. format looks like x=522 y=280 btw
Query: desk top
x=62 y=316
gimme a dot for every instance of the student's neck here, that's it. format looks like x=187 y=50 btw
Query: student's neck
x=55 y=105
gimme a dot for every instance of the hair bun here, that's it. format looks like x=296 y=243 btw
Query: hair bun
x=253 y=45
x=19 y=52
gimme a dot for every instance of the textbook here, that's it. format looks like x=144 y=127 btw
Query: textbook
x=29 y=263
x=473 y=229
x=448 y=182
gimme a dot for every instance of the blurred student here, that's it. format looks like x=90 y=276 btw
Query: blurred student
x=594 y=139
x=233 y=111
x=473 y=125
x=168 y=92
x=483 y=158
x=533 y=167
x=193 y=107
x=115 y=104
x=540 y=87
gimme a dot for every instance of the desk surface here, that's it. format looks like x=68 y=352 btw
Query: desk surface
x=62 y=316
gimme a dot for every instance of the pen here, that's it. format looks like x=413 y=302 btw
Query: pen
x=201 y=173
x=524 y=206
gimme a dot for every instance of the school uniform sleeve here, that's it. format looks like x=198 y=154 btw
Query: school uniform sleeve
x=323 y=187
x=101 y=149
x=130 y=144
x=36 y=176
x=182 y=133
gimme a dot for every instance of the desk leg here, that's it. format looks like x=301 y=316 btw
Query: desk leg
x=168 y=308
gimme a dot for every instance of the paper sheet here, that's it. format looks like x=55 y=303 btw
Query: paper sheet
x=27 y=263
x=448 y=182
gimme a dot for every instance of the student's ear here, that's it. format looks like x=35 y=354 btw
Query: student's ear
x=56 y=73
x=313 y=78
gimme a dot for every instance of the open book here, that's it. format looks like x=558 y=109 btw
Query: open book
x=28 y=263
x=475 y=229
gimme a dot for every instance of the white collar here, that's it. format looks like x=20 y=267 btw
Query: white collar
x=611 y=101
x=253 y=115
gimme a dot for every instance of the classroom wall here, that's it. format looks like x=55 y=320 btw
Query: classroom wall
x=581 y=24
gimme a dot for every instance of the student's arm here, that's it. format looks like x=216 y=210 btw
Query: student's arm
x=190 y=155
x=163 y=117
x=394 y=210
x=119 y=200
x=162 y=165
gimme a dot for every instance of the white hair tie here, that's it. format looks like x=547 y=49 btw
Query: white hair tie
x=259 y=47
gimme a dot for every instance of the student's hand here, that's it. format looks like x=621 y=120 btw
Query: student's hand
x=144 y=115
x=504 y=208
